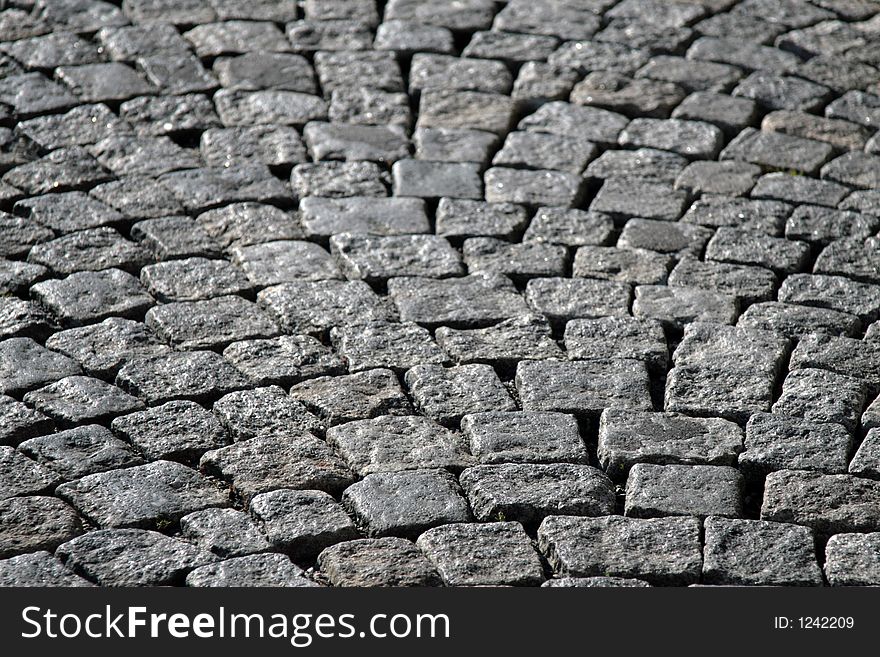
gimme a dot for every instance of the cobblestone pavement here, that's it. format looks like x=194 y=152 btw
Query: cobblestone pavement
x=422 y=292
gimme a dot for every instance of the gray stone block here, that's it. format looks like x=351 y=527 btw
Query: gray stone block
x=627 y=438
x=829 y=504
x=369 y=562
x=151 y=495
x=396 y=443
x=851 y=560
x=658 y=550
x=263 y=413
x=524 y=437
x=225 y=532
x=776 y=442
x=263 y=464
x=758 y=553
x=583 y=388
x=174 y=431
x=683 y=490
x=265 y=570
x=302 y=523
x=359 y=396
x=527 y=337
x=528 y=493
x=132 y=557
x=405 y=503
x=490 y=554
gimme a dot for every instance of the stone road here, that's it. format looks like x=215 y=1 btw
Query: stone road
x=422 y=292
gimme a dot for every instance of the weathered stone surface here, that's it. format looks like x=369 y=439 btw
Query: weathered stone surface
x=851 y=560
x=371 y=562
x=30 y=524
x=415 y=242
x=823 y=396
x=102 y=349
x=263 y=464
x=675 y=307
x=405 y=503
x=376 y=259
x=583 y=388
x=358 y=396
x=267 y=570
x=528 y=493
x=627 y=438
x=758 y=553
x=467 y=302
x=398 y=346
x=315 y=307
x=323 y=217
x=25 y=365
x=827 y=503
x=283 y=360
x=633 y=198
x=81 y=451
x=193 y=279
x=594 y=582
x=776 y=442
x=490 y=554
x=683 y=490
x=747 y=284
x=761 y=216
x=866 y=462
x=78 y=399
x=302 y=523
x=635 y=266
x=141 y=496
x=526 y=337
x=658 y=550
x=855 y=358
x=175 y=431
x=37 y=569
x=132 y=557
x=262 y=412
x=394 y=443
x=195 y=375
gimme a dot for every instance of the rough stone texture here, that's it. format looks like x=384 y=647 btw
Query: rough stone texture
x=142 y=496
x=827 y=503
x=447 y=394
x=527 y=337
x=369 y=562
x=301 y=523
x=263 y=464
x=529 y=493
x=490 y=554
x=758 y=553
x=658 y=550
x=627 y=438
x=518 y=437
x=405 y=503
x=225 y=532
x=298 y=244
x=851 y=560
x=132 y=557
x=774 y=442
x=264 y=570
x=358 y=396
x=583 y=388
x=30 y=524
x=37 y=569
x=683 y=490
x=393 y=443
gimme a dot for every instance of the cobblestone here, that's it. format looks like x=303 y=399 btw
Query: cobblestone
x=416 y=268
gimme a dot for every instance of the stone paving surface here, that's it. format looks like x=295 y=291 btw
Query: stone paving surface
x=422 y=293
